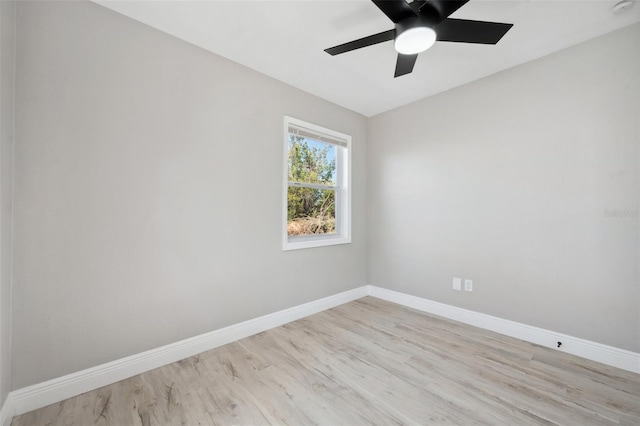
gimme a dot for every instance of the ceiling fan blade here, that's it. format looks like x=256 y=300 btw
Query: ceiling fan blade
x=444 y=7
x=466 y=31
x=362 y=42
x=396 y=10
x=404 y=64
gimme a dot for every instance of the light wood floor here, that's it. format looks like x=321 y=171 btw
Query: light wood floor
x=366 y=362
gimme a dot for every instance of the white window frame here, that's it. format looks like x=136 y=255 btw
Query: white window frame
x=343 y=186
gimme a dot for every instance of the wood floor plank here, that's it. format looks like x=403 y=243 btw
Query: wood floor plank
x=365 y=362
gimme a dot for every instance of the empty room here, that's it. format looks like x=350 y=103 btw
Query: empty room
x=327 y=212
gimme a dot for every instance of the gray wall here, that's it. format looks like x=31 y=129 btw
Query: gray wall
x=7 y=40
x=507 y=181
x=148 y=192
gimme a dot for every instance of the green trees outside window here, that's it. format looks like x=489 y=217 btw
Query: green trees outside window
x=311 y=197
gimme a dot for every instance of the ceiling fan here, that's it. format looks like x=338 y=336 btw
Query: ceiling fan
x=419 y=24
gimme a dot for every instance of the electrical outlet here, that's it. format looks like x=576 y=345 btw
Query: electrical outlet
x=457 y=283
x=468 y=285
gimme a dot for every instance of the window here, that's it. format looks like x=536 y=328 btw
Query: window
x=316 y=193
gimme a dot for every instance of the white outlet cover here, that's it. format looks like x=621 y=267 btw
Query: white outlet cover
x=457 y=283
x=468 y=285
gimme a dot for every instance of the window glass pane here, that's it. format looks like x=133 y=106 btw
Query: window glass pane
x=311 y=211
x=311 y=161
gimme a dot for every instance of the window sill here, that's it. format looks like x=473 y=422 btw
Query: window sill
x=297 y=243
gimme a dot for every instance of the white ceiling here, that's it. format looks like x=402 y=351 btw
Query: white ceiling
x=285 y=40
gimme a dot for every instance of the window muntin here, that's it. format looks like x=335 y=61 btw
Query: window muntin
x=316 y=188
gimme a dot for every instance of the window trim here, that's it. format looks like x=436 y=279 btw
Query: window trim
x=342 y=187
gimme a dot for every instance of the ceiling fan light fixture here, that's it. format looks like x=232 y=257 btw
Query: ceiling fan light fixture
x=415 y=40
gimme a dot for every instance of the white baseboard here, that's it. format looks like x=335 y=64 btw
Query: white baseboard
x=609 y=355
x=5 y=409
x=42 y=394
x=39 y=395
